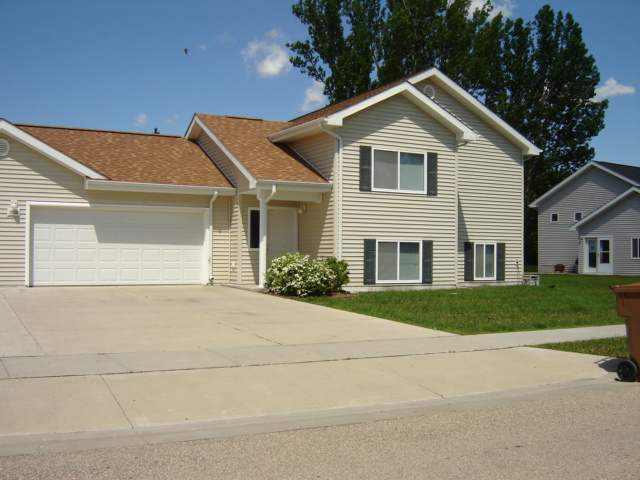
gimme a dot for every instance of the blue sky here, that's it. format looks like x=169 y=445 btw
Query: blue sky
x=121 y=65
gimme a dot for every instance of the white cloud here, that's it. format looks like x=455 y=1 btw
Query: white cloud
x=268 y=56
x=506 y=7
x=313 y=97
x=141 y=120
x=172 y=120
x=202 y=47
x=612 y=88
x=224 y=38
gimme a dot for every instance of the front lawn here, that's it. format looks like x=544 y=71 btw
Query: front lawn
x=561 y=301
x=602 y=347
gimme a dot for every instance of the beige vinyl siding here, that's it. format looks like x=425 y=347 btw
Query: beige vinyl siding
x=316 y=225
x=27 y=176
x=222 y=240
x=397 y=124
x=585 y=193
x=224 y=163
x=490 y=189
x=620 y=223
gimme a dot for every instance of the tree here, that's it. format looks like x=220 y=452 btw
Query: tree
x=547 y=82
x=538 y=75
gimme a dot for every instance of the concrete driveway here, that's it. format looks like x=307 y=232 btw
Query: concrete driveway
x=89 y=367
x=98 y=320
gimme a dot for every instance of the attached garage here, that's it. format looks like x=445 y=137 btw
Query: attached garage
x=81 y=245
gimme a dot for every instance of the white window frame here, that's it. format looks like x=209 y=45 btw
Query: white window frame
x=551 y=220
x=635 y=240
x=398 y=152
x=495 y=260
x=398 y=242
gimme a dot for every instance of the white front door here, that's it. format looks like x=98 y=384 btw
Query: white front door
x=598 y=255
x=281 y=232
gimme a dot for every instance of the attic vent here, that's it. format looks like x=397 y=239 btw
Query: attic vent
x=4 y=147
x=429 y=91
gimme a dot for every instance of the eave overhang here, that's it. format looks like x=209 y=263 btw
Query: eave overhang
x=48 y=151
x=112 y=186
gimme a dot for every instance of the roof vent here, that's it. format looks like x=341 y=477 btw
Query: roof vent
x=429 y=91
x=4 y=147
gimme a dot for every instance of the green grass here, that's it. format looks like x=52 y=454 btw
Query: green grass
x=604 y=347
x=561 y=301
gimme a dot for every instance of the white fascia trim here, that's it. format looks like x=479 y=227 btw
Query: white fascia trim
x=296 y=132
x=528 y=148
x=48 y=151
x=238 y=164
x=155 y=188
x=604 y=208
x=463 y=133
x=293 y=186
x=536 y=203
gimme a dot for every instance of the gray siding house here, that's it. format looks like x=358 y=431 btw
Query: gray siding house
x=590 y=222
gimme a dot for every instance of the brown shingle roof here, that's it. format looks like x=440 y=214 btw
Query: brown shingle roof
x=134 y=157
x=247 y=139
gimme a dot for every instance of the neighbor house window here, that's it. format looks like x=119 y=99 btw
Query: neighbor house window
x=485 y=261
x=577 y=216
x=635 y=247
x=555 y=217
x=401 y=171
x=254 y=228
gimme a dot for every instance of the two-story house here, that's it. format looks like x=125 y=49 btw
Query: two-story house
x=415 y=184
x=590 y=222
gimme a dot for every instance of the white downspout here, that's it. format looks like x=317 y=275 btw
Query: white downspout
x=262 y=268
x=213 y=199
x=338 y=193
x=457 y=218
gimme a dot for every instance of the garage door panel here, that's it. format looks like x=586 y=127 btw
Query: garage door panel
x=103 y=246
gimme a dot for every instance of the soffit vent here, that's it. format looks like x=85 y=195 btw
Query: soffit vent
x=4 y=147
x=429 y=91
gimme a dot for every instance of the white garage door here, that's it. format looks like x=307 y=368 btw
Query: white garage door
x=92 y=246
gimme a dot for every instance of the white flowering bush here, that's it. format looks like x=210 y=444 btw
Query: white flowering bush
x=296 y=274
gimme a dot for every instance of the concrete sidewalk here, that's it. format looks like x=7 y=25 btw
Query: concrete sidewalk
x=67 y=402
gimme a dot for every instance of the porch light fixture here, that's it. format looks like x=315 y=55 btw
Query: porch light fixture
x=302 y=208
x=13 y=211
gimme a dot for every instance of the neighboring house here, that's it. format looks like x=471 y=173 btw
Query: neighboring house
x=415 y=184
x=590 y=222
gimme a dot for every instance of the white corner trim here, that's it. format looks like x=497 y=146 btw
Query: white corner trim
x=604 y=208
x=48 y=151
x=114 y=186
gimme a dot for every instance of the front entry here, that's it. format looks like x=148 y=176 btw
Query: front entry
x=281 y=232
x=597 y=256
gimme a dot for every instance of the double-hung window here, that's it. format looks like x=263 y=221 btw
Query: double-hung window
x=485 y=261
x=399 y=261
x=635 y=247
x=399 y=171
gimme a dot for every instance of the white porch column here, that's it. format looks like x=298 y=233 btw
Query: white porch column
x=264 y=196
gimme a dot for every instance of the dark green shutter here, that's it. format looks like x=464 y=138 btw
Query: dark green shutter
x=427 y=261
x=500 y=264
x=369 y=262
x=365 y=169
x=468 y=262
x=432 y=174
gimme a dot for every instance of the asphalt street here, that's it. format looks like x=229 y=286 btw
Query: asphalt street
x=589 y=432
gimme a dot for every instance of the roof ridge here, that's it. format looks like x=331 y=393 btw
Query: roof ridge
x=97 y=130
